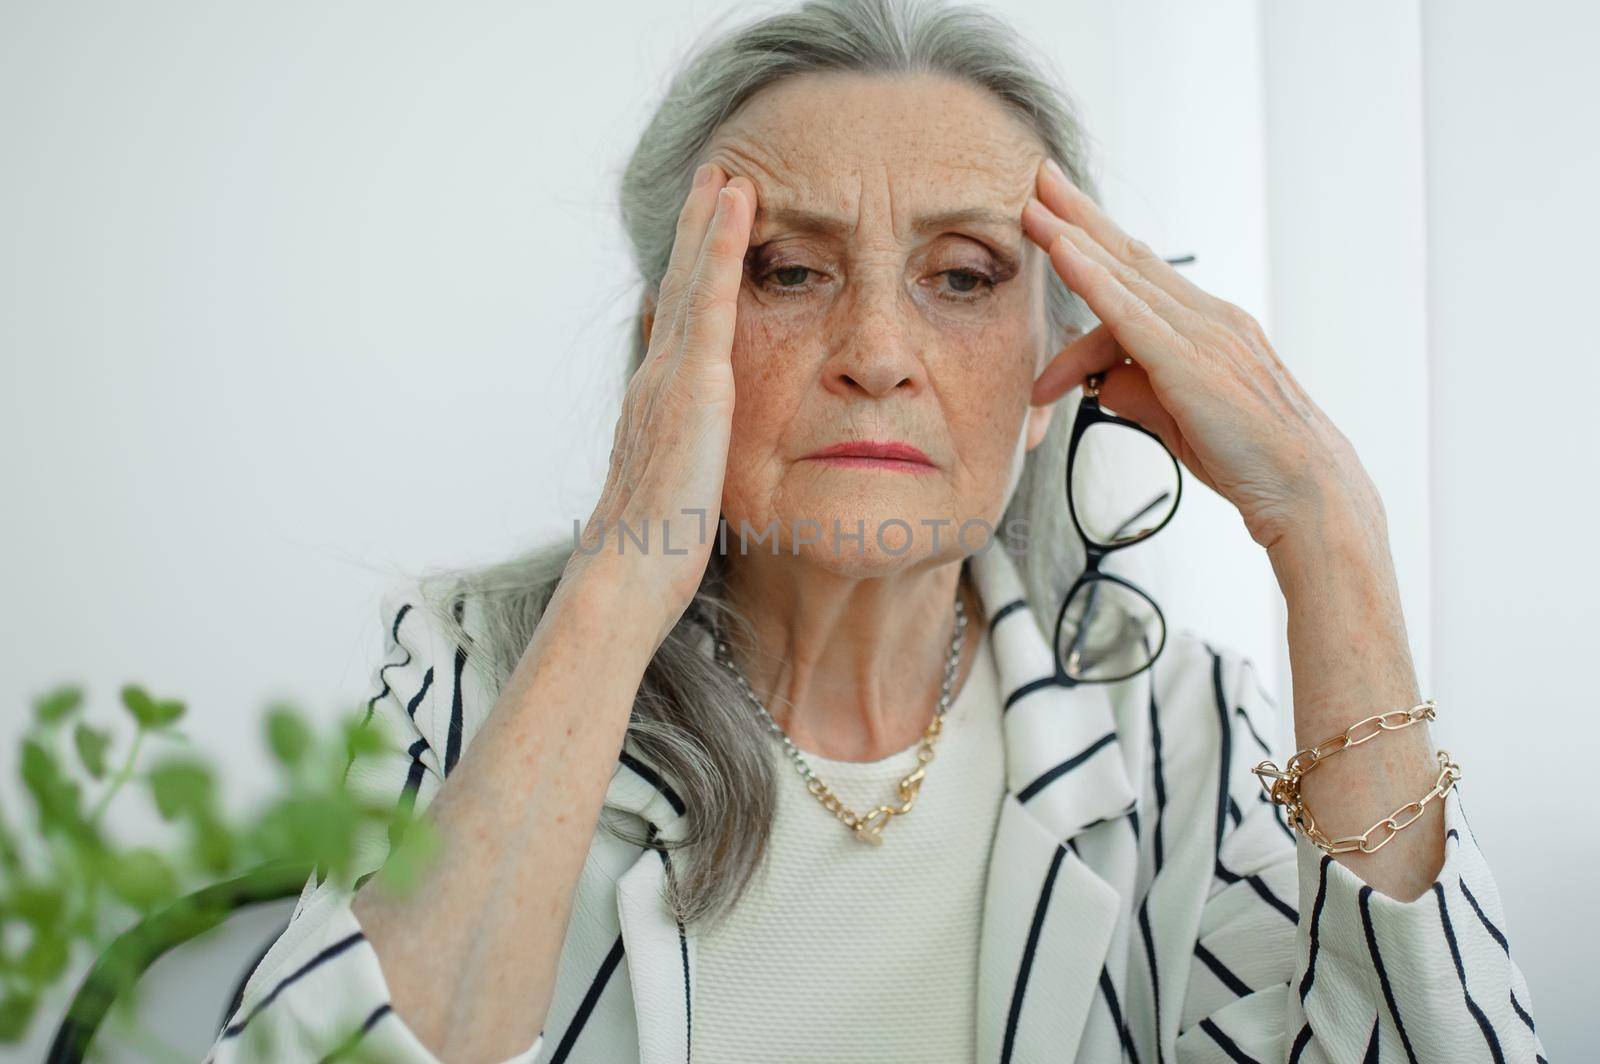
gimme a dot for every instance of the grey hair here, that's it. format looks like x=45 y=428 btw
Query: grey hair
x=690 y=719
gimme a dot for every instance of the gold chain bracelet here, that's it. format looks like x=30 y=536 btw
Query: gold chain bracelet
x=1283 y=785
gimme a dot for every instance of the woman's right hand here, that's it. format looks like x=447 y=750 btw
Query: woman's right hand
x=670 y=450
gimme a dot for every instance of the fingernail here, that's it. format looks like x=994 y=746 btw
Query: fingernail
x=1050 y=164
x=702 y=175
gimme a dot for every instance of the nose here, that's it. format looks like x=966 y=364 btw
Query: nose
x=875 y=344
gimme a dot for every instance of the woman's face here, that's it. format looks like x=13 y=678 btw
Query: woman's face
x=889 y=295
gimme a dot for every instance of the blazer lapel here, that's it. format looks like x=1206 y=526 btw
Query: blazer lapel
x=659 y=954
x=1048 y=917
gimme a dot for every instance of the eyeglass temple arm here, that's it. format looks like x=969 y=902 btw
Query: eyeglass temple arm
x=1151 y=505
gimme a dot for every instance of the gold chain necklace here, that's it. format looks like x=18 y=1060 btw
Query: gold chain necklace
x=867 y=828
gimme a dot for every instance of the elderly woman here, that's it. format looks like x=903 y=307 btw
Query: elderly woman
x=870 y=250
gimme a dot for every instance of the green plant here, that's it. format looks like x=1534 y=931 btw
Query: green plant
x=66 y=884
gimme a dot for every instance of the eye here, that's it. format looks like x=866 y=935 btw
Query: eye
x=786 y=281
x=964 y=285
x=969 y=286
x=790 y=276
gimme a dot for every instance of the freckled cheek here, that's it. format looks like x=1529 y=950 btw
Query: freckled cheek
x=769 y=378
x=994 y=384
x=997 y=375
x=765 y=397
x=768 y=361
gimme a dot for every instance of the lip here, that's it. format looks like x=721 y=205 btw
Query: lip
x=883 y=454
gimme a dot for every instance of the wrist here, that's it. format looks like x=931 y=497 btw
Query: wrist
x=619 y=600
x=1342 y=598
x=1314 y=558
x=1337 y=536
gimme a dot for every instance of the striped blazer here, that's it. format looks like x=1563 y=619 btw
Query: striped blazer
x=1145 y=902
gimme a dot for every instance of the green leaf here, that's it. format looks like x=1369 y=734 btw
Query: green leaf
x=45 y=958
x=141 y=877
x=361 y=740
x=10 y=854
x=310 y=828
x=419 y=844
x=36 y=904
x=139 y=703
x=57 y=705
x=40 y=773
x=215 y=849
x=16 y=1012
x=57 y=797
x=182 y=787
x=149 y=712
x=121 y=972
x=92 y=744
x=169 y=710
x=288 y=735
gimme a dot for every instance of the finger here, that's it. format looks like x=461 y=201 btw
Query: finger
x=1094 y=352
x=1141 y=332
x=1044 y=227
x=711 y=296
x=1127 y=391
x=693 y=219
x=1069 y=202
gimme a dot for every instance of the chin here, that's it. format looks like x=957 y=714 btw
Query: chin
x=892 y=534
x=873 y=562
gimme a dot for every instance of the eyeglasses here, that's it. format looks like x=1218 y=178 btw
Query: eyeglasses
x=1112 y=621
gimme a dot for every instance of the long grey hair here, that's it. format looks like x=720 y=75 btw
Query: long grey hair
x=690 y=719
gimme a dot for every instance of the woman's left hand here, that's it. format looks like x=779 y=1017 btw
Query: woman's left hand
x=1208 y=383
x=1205 y=379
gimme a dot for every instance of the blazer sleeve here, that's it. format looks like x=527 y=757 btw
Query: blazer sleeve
x=1299 y=959
x=320 y=987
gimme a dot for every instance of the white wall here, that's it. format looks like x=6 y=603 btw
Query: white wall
x=1345 y=192
x=265 y=270
x=1513 y=230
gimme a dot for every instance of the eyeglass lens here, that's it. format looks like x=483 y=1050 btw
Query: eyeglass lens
x=1124 y=484
x=1124 y=487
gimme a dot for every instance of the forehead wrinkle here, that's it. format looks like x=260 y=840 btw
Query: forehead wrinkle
x=888 y=192
x=751 y=158
x=961 y=161
x=805 y=220
x=991 y=204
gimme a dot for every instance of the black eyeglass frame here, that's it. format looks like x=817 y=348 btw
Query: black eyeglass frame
x=1091 y=413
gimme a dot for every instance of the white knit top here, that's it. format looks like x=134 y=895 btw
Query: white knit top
x=881 y=939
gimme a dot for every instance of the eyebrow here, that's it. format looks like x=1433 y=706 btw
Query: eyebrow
x=836 y=225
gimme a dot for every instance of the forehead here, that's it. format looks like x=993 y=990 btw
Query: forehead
x=852 y=139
